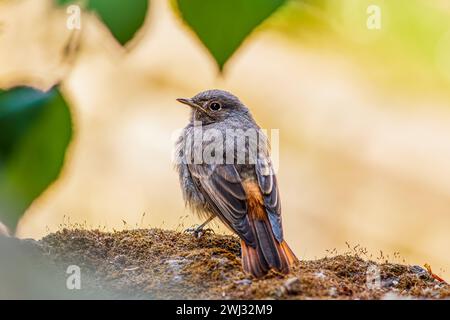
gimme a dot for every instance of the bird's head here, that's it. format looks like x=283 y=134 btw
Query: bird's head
x=214 y=106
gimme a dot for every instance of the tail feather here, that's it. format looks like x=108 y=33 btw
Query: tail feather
x=268 y=253
x=251 y=262
x=266 y=247
x=292 y=259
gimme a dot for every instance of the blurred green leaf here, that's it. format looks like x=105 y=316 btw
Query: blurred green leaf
x=123 y=18
x=35 y=129
x=222 y=25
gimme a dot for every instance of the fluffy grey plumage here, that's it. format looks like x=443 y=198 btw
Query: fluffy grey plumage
x=224 y=167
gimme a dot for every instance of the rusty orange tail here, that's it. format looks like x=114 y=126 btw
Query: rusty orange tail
x=268 y=253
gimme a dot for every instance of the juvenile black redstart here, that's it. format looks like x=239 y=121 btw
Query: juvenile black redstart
x=225 y=171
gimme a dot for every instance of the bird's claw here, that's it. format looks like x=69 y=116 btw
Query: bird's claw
x=199 y=232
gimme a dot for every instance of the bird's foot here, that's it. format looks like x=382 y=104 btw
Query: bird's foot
x=199 y=232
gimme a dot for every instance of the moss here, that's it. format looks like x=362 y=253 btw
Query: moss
x=164 y=264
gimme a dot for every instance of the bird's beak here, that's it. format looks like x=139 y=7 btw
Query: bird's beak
x=192 y=104
x=188 y=102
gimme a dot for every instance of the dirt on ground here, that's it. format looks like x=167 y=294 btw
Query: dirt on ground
x=161 y=264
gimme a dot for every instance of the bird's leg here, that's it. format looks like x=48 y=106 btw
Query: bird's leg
x=198 y=231
x=200 y=227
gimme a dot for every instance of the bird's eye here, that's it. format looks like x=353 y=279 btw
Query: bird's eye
x=215 y=106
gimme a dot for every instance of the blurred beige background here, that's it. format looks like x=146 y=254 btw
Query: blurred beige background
x=360 y=162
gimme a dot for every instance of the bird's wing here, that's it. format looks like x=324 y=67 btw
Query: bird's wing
x=267 y=181
x=223 y=190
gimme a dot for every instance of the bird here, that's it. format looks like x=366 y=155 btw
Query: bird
x=225 y=171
